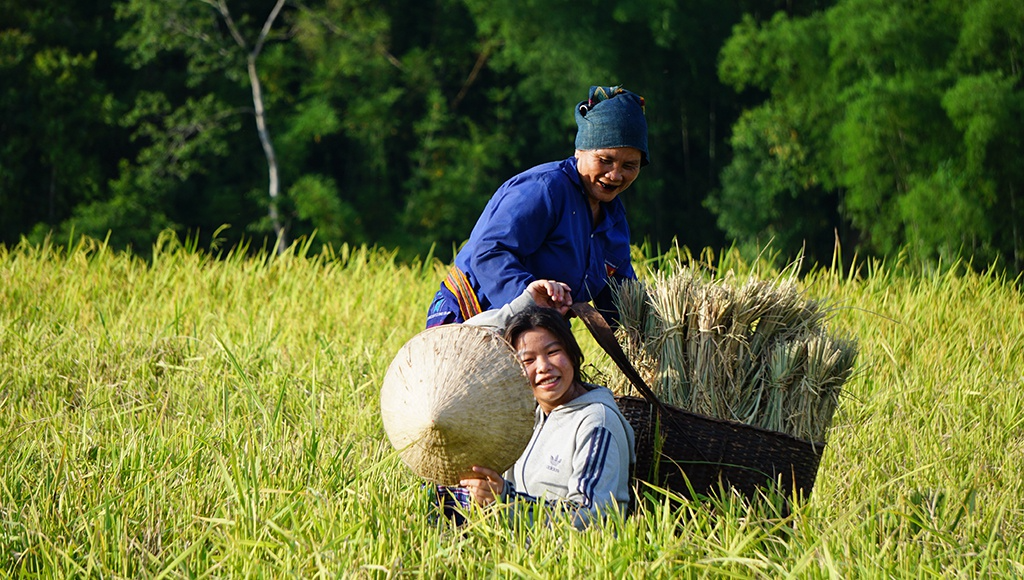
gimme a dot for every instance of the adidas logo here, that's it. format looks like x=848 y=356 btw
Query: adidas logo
x=554 y=463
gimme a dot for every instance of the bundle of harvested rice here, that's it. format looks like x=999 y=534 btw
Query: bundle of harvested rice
x=757 y=353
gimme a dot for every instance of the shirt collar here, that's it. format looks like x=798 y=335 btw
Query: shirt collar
x=569 y=167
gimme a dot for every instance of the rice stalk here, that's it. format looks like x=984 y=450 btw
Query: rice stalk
x=744 y=388
x=757 y=353
x=633 y=334
x=672 y=303
x=829 y=364
x=711 y=362
x=785 y=361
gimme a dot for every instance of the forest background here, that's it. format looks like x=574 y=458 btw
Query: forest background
x=892 y=126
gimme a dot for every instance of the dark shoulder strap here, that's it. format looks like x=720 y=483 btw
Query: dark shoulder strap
x=604 y=336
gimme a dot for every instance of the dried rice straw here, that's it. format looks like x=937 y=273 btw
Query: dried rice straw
x=757 y=353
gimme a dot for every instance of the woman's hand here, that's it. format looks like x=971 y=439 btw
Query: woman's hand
x=551 y=294
x=484 y=489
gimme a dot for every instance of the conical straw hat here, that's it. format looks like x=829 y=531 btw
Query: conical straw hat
x=456 y=396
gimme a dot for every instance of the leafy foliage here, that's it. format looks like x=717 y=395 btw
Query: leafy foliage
x=54 y=105
x=902 y=103
x=892 y=125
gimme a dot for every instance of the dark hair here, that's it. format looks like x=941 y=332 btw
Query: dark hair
x=549 y=319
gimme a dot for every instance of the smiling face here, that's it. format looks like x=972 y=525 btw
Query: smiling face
x=549 y=368
x=606 y=173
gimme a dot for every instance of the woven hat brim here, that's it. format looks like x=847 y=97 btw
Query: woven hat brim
x=456 y=396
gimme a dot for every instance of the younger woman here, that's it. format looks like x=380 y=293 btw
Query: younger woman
x=582 y=447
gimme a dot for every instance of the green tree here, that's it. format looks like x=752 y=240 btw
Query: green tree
x=385 y=122
x=425 y=129
x=667 y=51
x=219 y=47
x=57 y=112
x=904 y=112
x=349 y=125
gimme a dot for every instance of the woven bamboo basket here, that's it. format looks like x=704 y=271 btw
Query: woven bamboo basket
x=693 y=455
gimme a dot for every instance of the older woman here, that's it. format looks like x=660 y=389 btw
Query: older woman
x=560 y=221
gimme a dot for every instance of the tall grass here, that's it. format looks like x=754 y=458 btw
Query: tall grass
x=193 y=416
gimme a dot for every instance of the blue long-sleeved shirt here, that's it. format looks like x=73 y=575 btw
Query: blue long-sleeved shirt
x=538 y=225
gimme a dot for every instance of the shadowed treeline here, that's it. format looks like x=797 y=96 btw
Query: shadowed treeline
x=890 y=125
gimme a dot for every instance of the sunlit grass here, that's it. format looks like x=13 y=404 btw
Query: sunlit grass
x=204 y=416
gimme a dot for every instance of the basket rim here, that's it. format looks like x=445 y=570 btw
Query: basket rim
x=728 y=422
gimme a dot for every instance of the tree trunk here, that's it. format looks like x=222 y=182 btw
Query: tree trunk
x=261 y=122
x=268 y=151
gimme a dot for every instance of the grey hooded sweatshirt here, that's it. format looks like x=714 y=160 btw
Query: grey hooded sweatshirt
x=580 y=453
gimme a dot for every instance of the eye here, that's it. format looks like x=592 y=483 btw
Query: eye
x=527 y=361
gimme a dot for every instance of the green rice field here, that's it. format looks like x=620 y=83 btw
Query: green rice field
x=193 y=415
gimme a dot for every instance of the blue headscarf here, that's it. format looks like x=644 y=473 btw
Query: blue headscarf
x=612 y=117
